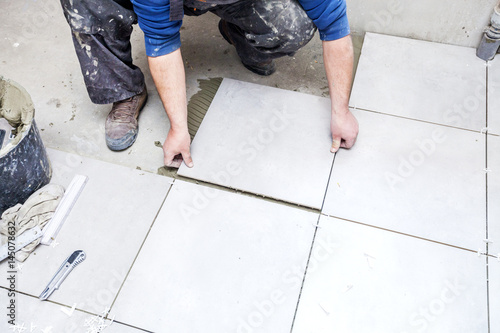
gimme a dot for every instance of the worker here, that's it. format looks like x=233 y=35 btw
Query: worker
x=260 y=30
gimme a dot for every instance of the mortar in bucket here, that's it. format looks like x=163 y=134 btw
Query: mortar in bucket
x=24 y=165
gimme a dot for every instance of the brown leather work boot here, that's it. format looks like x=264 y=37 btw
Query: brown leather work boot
x=121 y=125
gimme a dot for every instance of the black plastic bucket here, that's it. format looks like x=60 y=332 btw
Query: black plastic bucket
x=24 y=165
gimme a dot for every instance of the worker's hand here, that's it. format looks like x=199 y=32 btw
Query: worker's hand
x=344 y=127
x=176 y=149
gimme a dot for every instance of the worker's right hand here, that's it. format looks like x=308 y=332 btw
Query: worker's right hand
x=345 y=128
x=176 y=149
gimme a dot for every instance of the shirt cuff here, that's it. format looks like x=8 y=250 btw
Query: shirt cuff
x=329 y=16
x=157 y=45
x=161 y=35
x=337 y=30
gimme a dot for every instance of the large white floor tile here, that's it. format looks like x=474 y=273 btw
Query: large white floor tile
x=414 y=177
x=218 y=262
x=435 y=82
x=494 y=194
x=109 y=222
x=494 y=96
x=372 y=280
x=266 y=141
x=494 y=290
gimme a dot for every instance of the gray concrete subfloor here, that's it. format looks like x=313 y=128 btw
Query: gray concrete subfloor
x=37 y=52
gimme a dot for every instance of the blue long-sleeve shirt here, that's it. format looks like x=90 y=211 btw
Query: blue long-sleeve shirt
x=162 y=35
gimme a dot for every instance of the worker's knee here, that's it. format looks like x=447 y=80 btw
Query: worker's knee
x=289 y=27
x=108 y=17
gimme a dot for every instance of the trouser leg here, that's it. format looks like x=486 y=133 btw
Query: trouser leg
x=101 y=35
x=262 y=30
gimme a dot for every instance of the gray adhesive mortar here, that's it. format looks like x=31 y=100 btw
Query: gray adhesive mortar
x=24 y=165
x=200 y=102
x=197 y=108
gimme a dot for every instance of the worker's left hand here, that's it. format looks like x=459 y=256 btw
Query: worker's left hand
x=344 y=127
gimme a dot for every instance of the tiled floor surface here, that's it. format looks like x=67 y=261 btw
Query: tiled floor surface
x=410 y=177
x=392 y=249
x=493 y=100
x=234 y=253
x=494 y=291
x=438 y=83
x=494 y=194
x=394 y=282
x=94 y=225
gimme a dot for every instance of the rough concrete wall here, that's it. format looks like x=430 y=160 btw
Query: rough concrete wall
x=458 y=22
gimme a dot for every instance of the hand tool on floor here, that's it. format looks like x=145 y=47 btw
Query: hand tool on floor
x=21 y=241
x=71 y=194
x=67 y=266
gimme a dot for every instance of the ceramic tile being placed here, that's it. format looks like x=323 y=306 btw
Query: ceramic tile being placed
x=494 y=194
x=266 y=141
x=217 y=261
x=109 y=222
x=494 y=96
x=413 y=177
x=494 y=289
x=434 y=82
x=364 y=279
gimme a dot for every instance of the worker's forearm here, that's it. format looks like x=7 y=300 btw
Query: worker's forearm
x=338 y=56
x=169 y=77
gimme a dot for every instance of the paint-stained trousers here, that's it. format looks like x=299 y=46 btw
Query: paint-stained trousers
x=260 y=29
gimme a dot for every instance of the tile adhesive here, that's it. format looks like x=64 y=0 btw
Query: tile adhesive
x=197 y=108
x=24 y=165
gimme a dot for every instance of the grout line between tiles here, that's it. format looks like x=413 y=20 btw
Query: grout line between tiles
x=305 y=274
x=69 y=307
x=488 y=292
x=131 y=326
x=486 y=159
x=487 y=92
x=77 y=309
x=248 y=194
x=52 y=302
x=486 y=189
x=405 y=234
x=312 y=246
x=140 y=248
x=419 y=120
